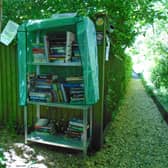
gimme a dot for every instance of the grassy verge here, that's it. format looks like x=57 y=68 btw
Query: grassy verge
x=159 y=98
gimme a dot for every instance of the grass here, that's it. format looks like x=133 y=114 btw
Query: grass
x=158 y=94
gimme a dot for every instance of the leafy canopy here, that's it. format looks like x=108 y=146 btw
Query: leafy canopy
x=122 y=14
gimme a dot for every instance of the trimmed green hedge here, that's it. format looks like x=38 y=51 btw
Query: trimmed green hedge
x=117 y=75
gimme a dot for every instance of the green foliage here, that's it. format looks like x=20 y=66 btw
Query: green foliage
x=123 y=15
x=2 y=161
x=150 y=47
x=160 y=73
x=128 y=69
x=148 y=88
x=118 y=72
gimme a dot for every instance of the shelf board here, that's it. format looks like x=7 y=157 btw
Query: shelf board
x=60 y=140
x=56 y=63
x=61 y=105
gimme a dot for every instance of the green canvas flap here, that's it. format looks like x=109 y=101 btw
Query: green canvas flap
x=88 y=48
x=22 y=48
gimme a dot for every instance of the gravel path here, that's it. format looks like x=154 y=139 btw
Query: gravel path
x=139 y=135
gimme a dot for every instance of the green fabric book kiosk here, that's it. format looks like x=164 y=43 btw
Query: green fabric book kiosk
x=40 y=33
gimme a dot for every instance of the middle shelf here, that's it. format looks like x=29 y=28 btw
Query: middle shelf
x=61 y=105
x=56 y=63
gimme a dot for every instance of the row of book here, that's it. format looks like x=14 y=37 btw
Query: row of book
x=46 y=88
x=60 y=47
x=75 y=89
x=56 y=46
x=44 y=126
x=40 y=87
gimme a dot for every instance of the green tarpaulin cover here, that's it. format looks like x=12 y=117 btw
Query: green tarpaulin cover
x=86 y=37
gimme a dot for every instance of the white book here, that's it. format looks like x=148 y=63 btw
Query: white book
x=69 y=39
x=46 y=47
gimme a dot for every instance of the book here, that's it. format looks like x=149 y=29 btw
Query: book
x=69 y=39
x=58 y=51
x=77 y=122
x=38 y=133
x=46 y=46
x=77 y=92
x=55 y=89
x=77 y=95
x=43 y=86
x=74 y=78
x=44 y=76
x=40 y=99
x=58 y=59
x=72 y=85
x=77 y=98
x=38 y=52
x=41 y=122
x=60 y=92
x=63 y=92
x=75 y=53
x=39 y=94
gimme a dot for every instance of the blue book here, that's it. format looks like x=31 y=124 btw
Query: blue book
x=71 y=85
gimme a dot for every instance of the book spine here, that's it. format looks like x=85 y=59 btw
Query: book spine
x=76 y=124
x=46 y=47
x=71 y=85
x=70 y=38
x=63 y=93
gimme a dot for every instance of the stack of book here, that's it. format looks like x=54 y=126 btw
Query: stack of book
x=57 y=54
x=61 y=47
x=77 y=95
x=75 y=88
x=38 y=53
x=44 y=126
x=40 y=96
x=75 y=128
x=41 y=88
x=75 y=53
x=55 y=45
x=77 y=91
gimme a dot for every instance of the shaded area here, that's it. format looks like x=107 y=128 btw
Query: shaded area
x=138 y=138
x=163 y=108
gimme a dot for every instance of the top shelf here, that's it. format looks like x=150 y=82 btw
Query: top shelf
x=56 y=63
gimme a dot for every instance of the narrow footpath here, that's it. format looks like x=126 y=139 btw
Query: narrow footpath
x=139 y=135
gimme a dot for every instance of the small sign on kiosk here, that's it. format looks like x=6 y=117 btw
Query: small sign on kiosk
x=9 y=33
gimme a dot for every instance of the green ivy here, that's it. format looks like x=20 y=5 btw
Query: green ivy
x=160 y=73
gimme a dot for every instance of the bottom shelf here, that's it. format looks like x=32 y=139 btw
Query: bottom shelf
x=57 y=140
